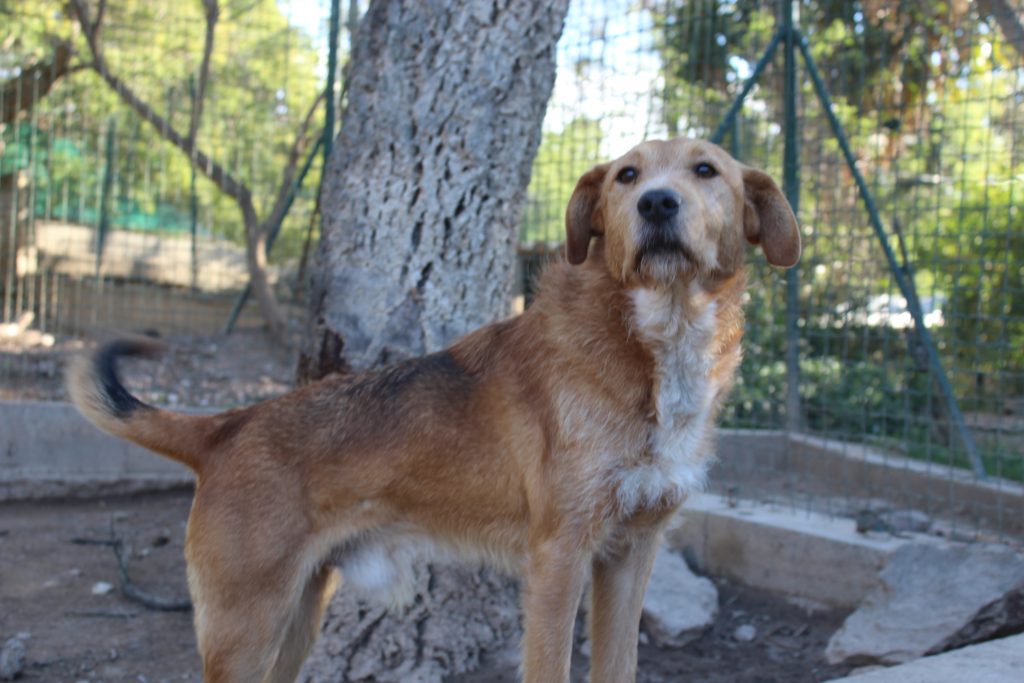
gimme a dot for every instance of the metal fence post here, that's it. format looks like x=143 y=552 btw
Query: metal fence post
x=103 y=225
x=325 y=142
x=791 y=188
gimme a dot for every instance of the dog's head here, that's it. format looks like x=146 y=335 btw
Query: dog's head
x=678 y=208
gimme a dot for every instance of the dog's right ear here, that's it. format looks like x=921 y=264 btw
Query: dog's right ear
x=768 y=219
x=581 y=219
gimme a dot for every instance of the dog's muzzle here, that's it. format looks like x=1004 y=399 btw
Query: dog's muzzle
x=658 y=207
x=660 y=210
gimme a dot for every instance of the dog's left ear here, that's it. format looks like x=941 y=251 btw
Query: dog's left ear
x=581 y=218
x=768 y=219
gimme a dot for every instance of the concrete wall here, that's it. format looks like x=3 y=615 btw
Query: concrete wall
x=49 y=450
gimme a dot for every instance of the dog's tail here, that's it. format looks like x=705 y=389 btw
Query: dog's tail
x=98 y=394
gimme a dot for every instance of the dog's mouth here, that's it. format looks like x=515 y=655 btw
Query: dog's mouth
x=658 y=245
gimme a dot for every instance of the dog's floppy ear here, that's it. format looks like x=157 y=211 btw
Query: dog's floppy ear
x=768 y=219
x=581 y=219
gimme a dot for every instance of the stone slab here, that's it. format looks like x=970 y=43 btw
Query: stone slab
x=933 y=598
x=768 y=547
x=679 y=605
x=997 y=661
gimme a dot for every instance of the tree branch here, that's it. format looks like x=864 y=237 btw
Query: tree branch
x=255 y=232
x=1009 y=21
x=101 y=7
x=21 y=93
x=288 y=178
x=207 y=166
x=212 y=14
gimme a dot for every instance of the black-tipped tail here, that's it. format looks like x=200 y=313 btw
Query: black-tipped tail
x=119 y=401
x=97 y=392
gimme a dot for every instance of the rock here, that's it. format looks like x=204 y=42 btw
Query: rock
x=870 y=668
x=12 y=659
x=745 y=633
x=933 y=598
x=102 y=588
x=679 y=606
x=904 y=521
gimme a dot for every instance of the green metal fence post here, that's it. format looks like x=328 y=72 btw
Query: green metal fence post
x=325 y=142
x=332 y=69
x=193 y=199
x=755 y=76
x=905 y=284
x=791 y=188
x=103 y=225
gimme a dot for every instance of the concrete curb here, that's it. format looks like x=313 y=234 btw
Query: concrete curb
x=746 y=456
x=997 y=502
x=49 y=450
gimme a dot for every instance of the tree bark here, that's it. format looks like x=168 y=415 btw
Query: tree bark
x=422 y=193
x=421 y=204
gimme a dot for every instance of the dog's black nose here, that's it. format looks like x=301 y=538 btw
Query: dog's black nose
x=657 y=206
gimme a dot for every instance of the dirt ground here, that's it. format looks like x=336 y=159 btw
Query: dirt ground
x=51 y=588
x=195 y=371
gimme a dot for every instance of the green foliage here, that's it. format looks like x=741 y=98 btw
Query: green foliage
x=975 y=242
x=562 y=158
x=698 y=41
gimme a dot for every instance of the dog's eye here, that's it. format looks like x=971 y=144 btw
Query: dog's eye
x=705 y=170
x=627 y=175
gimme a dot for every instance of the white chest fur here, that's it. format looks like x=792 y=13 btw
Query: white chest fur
x=679 y=329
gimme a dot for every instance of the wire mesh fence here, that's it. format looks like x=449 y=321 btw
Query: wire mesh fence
x=104 y=222
x=122 y=183
x=929 y=97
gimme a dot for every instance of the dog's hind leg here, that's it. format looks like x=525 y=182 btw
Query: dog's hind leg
x=248 y=575
x=305 y=622
x=238 y=644
x=245 y=625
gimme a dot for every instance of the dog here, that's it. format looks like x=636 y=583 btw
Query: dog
x=554 y=445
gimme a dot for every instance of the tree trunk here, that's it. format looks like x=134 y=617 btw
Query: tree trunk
x=422 y=193
x=421 y=204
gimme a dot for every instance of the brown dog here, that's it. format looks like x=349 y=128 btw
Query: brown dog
x=555 y=444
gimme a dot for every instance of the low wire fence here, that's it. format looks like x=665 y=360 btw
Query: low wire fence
x=911 y=360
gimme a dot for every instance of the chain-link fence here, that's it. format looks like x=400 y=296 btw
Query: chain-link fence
x=893 y=352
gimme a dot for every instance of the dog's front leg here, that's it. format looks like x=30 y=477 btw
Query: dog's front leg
x=619 y=584
x=555 y=577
